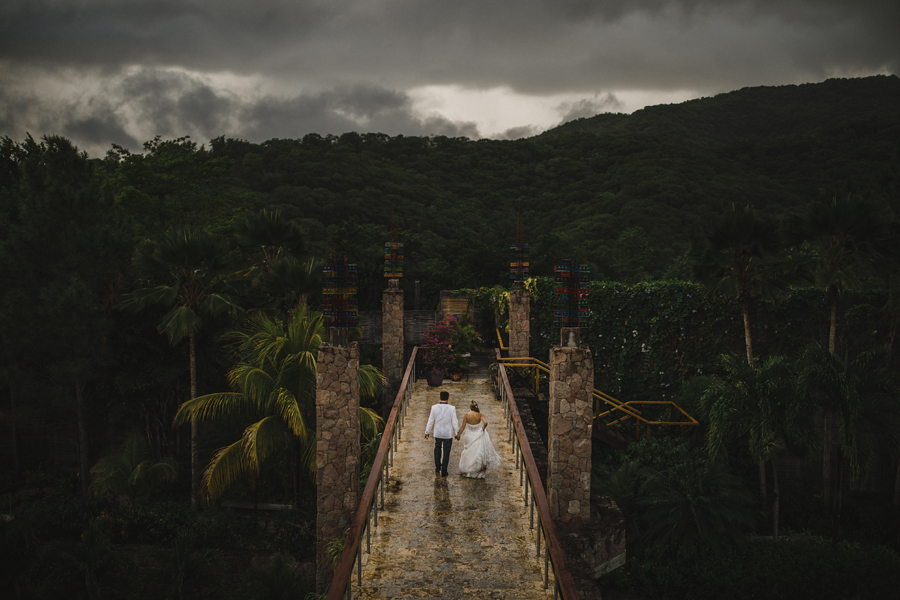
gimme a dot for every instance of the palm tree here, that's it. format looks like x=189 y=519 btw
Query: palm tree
x=861 y=396
x=844 y=235
x=131 y=470
x=733 y=261
x=267 y=237
x=194 y=267
x=274 y=386
x=277 y=277
x=756 y=403
x=694 y=501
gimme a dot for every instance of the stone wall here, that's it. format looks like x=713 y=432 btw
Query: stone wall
x=392 y=343
x=519 y=320
x=569 y=435
x=337 y=448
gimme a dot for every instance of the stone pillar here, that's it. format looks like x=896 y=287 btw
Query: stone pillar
x=337 y=448
x=519 y=320
x=392 y=343
x=569 y=433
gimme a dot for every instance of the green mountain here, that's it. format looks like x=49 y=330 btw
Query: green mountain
x=626 y=193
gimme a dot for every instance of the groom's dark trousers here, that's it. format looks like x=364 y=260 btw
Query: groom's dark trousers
x=442 y=445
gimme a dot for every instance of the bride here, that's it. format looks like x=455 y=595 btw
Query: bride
x=478 y=454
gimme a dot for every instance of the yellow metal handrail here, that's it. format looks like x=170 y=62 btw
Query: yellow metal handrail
x=617 y=407
x=500 y=340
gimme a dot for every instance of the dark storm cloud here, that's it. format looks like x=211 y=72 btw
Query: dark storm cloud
x=588 y=107
x=174 y=104
x=100 y=130
x=538 y=46
x=358 y=108
x=515 y=133
x=330 y=66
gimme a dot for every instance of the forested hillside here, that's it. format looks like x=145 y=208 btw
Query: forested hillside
x=626 y=193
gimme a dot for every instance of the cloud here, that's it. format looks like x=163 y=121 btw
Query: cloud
x=145 y=103
x=534 y=46
x=97 y=69
x=588 y=107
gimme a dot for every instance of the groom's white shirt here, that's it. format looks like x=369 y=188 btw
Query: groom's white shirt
x=443 y=418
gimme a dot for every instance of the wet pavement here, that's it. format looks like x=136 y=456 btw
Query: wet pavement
x=452 y=537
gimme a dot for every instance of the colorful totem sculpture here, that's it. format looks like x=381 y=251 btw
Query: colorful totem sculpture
x=339 y=293
x=572 y=294
x=393 y=252
x=518 y=260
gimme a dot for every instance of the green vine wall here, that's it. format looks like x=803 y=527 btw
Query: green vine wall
x=647 y=339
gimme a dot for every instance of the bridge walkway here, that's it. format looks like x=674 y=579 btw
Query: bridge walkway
x=452 y=537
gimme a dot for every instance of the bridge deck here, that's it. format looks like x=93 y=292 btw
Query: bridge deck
x=452 y=537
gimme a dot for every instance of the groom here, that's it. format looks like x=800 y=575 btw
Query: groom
x=443 y=418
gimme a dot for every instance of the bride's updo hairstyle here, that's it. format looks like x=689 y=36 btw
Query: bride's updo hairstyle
x=474 y=406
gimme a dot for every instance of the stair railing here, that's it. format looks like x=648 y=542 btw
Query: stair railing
x=366 y=515
x=534 y=495
x=616 y=409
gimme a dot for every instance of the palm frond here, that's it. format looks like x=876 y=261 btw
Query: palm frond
x=287 y=408
x=370 y=423
x=211 y=407
x=308 y=457
x=218 y=304
x=178 y=323
x=371 y=381
x=265 y=437
x=163 y=295
x=228 y=465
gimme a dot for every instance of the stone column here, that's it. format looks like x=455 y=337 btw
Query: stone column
x=569 y=432
x=337 y=448
x=392 y=343
x=519 y=320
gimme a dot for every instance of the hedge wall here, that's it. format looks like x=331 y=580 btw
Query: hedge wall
x=647 y=339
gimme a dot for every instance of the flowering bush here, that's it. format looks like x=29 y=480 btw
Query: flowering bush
x=436 y=347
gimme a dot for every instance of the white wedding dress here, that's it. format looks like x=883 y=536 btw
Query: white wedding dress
x=478 y=454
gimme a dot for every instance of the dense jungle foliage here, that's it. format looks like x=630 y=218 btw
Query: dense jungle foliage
x=627 y=194
x=125 y=277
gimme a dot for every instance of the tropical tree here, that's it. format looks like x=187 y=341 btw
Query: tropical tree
x=733 y=261
x=194 y=267
x=684 y=498
x=267 y=237
x=860 y=394
x=131 y=470
x=61 y=253
x=842 y=237
x=694 y=501
x=278 y=276
x=756 y=403
x=274 y=386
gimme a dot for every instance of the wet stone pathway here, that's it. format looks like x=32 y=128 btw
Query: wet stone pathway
x=452 y=537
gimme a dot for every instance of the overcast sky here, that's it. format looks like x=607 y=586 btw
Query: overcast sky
x=123 y=71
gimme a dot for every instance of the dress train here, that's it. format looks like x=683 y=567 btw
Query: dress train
x=478 y=454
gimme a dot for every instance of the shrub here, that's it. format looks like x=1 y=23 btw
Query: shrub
x=814 y=569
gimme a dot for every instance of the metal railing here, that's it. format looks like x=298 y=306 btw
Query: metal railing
x=618 y=411
x=535 y=497
x=366 y=515
x=500 y=340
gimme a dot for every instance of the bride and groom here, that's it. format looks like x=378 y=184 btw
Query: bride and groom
x=478 y=454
